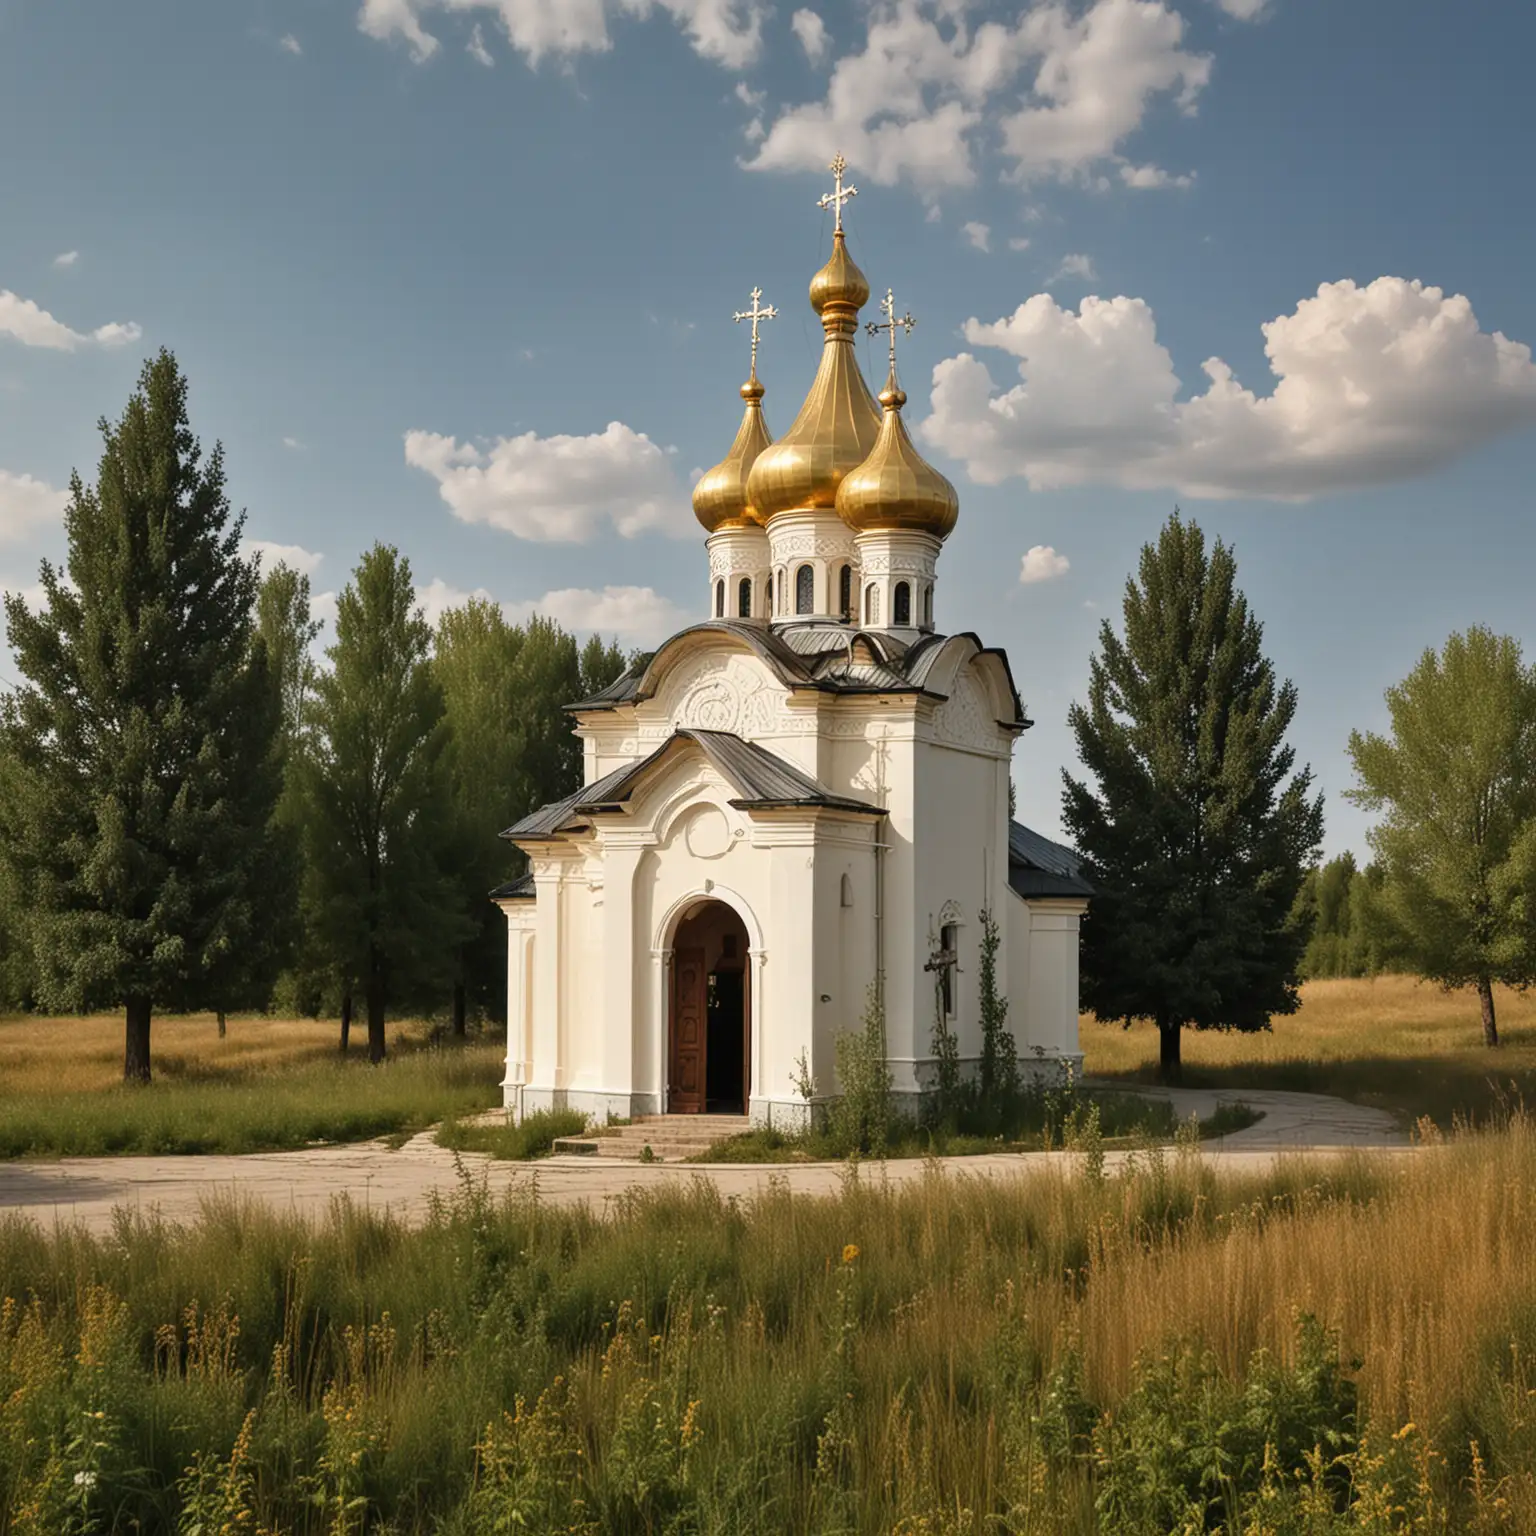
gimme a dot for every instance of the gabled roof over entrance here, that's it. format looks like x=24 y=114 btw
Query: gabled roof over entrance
x=1039 y=867
x=763 y=781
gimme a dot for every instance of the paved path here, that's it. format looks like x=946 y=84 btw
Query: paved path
x=88 y=1190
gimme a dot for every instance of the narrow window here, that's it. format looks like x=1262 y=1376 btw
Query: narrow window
x=872 y=605
x=928 y=607
x=719 y=599
x=902 y=604
x=744 y=598
x=768 y=597
x=948 y=938
x=805 y=590
x=847 y=883
x=845 y=594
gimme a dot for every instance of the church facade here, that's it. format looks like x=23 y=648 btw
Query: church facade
x=799 y=799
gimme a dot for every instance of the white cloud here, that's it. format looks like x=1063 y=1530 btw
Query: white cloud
x=727 y=31
x=980 y=235
x=27 y=504
x=639 y=615
x=290 y=44
x=1149 y=177
x=556 y=489
x=305 y=561
x=1373 y=385
x=1076 y=265
x=66 y=258
x=926 y=87
x=33 y=326
x=1018 y=242
x=476 y=48
x=1244 y=10
x=294 y=444
x=1042 y=563
x=812 y=32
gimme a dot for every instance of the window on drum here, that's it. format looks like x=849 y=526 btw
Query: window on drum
x=902 y=605
x=805 y=590
x=845 y=594
x=720 y=599
x=744 y=598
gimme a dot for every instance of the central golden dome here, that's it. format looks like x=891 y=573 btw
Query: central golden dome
x=839 y=422
x=896 y=488
x=720 y=498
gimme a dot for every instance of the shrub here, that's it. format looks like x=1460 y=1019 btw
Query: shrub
x=861 y=1120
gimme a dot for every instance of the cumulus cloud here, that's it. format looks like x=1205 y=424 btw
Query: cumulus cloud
x=812 y=32
x=727 y=31
x=556 y=489
x=1018 y=242
x=639 y=615
x=290 y=44
x=33 y=326
x=66 y=258
x=476 y=48
x=1076 y=266
x=980 y=235
x=1042 y=563
x=1244 y=10
x=305 y=561
x=1373 y=384
x=1061 y=90
x=27 y=504
x=1147 y=177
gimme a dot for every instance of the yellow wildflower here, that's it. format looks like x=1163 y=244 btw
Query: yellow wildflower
x=850 y=1252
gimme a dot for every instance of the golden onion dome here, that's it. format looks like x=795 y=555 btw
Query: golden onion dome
x=896 y=487
x=839 y=422
x=720 y=498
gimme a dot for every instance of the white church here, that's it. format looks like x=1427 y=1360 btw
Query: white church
x=801 y=796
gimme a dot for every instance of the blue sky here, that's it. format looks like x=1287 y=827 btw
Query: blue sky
x=459 y=275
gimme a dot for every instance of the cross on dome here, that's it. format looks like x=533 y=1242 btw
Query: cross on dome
x=755 y=315
x=839 y=193
x=891 y=323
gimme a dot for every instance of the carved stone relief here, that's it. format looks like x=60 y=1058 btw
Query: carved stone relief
x=965 y=719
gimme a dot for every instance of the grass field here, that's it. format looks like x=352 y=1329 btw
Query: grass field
x=1329 y=1348
x=269 y=1084
x=1393 y=1042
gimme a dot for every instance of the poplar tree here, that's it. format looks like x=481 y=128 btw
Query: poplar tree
x=1194 y=829
x=142 y=747
x=378 y=824
x=1456 y=785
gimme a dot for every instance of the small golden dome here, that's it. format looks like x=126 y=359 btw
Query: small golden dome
x=720 y=499
x=839 y=422
x=840 y=281
x=895 y=487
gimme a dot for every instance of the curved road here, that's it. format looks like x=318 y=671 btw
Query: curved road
x=86 y=1191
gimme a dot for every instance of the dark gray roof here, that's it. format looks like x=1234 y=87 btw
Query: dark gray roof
x=827 y=657
x=762 y=780
x=1039 y=867
x=520 y=889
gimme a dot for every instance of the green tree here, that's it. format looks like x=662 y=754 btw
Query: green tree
x=1195 y=830
x=288 y=629
x=1455 y=784
x=377 y=817
x=144 y=742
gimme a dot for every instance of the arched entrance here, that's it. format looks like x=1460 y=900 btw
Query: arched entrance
x=710 y=1013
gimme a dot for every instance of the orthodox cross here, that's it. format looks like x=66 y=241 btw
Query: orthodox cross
x=839 y=193
x=891 y=323
x=756 y=314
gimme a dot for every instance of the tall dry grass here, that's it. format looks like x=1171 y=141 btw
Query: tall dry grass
x=269 y=1084
x=1394 y=1042
x=959 y=1355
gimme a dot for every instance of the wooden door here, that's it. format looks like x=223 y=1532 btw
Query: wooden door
x=689 y=983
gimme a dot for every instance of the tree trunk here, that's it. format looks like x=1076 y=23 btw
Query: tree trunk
x=375 y=990
x=459 y=1010
x=222 y=1028
x=136 y=1041
x=1169 y=1066
x=346 y=1019
x=1485 y=997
